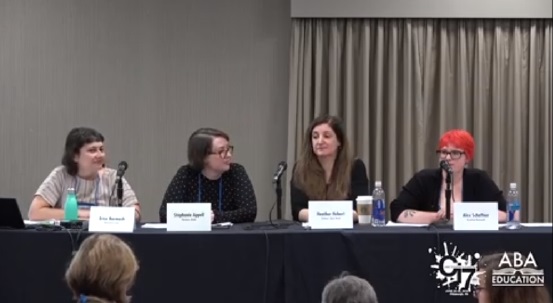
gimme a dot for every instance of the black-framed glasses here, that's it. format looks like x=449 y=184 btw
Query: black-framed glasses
x=224 y=152
x=454 y=154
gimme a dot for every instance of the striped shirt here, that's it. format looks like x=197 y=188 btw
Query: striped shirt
x=100 y=191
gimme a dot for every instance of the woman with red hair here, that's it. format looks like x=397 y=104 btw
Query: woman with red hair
x=422 y=199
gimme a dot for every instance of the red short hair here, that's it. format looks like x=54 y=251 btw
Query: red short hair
x=459 y=138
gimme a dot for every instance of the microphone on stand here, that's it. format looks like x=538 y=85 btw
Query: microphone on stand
x=281 y=168
x=447 y=168
x=121 y=169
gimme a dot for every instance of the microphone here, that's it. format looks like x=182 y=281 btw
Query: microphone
x=278 y=203
x=445 y=166
x=121 y=168
x=280 y=170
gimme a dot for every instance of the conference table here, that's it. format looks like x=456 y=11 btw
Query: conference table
x=263 y=264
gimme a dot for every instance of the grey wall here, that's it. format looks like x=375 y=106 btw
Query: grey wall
x=422 y=9
x=145 y=74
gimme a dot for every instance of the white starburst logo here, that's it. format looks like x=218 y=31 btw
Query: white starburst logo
x=455 y=270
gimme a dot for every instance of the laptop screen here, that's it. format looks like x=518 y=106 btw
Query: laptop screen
x=10 y=214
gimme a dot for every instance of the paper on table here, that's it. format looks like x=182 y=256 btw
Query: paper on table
x=537 y=224
x=545 y=224
x=164 y=225
x=222 y=224
x=48 y=222
x=393 y=224
x=500 y=225
x=155 y=225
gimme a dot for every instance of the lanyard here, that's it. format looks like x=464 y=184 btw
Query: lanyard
x=95 y=191
x=220 y=191
x=83 y=299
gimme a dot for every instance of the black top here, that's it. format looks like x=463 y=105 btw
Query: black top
x=423 y=191
x=359 y=187
x=238 y=202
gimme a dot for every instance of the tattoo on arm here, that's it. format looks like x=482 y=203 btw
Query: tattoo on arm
x=409 y=213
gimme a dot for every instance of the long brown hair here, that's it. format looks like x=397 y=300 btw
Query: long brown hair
x=309 y=175
x=509 y=294
x=103 y=269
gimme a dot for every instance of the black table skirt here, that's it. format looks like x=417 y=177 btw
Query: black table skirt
x=397 y=261
x=258 y=266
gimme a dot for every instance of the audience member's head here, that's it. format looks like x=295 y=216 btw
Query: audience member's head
x=349 y=289
x=488 y=293
x=103 y=270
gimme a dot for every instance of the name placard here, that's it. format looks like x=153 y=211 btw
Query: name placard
x=475 y=216
x=188 y=216
x=111 y=219
x=330 y=214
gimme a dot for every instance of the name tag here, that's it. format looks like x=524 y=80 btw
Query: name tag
x=188 y=216
x=111 y=219
x=475 y=216
x=330 y=214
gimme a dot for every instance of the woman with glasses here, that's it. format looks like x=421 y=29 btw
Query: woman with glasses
x=210 y=176
x=422 y=199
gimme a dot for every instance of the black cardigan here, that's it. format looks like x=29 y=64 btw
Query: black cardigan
x=238 y=201
x=423 y=191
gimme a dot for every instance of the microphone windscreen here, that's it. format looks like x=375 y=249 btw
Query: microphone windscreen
x=123 y=165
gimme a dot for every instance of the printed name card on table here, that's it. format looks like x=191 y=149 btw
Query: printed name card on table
x=330 y=214
x=475 y=216
x=111 y=219
x=188 y=216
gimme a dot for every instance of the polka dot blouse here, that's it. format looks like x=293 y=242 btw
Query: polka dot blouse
x=232 y=196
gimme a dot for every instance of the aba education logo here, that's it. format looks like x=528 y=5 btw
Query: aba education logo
x=455 y=270
x=519 y=270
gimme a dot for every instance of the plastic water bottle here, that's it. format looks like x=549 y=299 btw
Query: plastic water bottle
x=71 y=207
x=513 y=207
x=379 y=205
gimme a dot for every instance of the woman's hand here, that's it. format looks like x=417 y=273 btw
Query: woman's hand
x=440 y=215
x=84 y=214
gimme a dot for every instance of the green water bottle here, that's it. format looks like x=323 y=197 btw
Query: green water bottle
x=71 y=207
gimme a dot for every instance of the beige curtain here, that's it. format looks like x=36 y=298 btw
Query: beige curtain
x=399 y=84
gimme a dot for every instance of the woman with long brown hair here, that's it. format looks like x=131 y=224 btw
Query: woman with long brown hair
x=326 y=169
x=102 y=271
